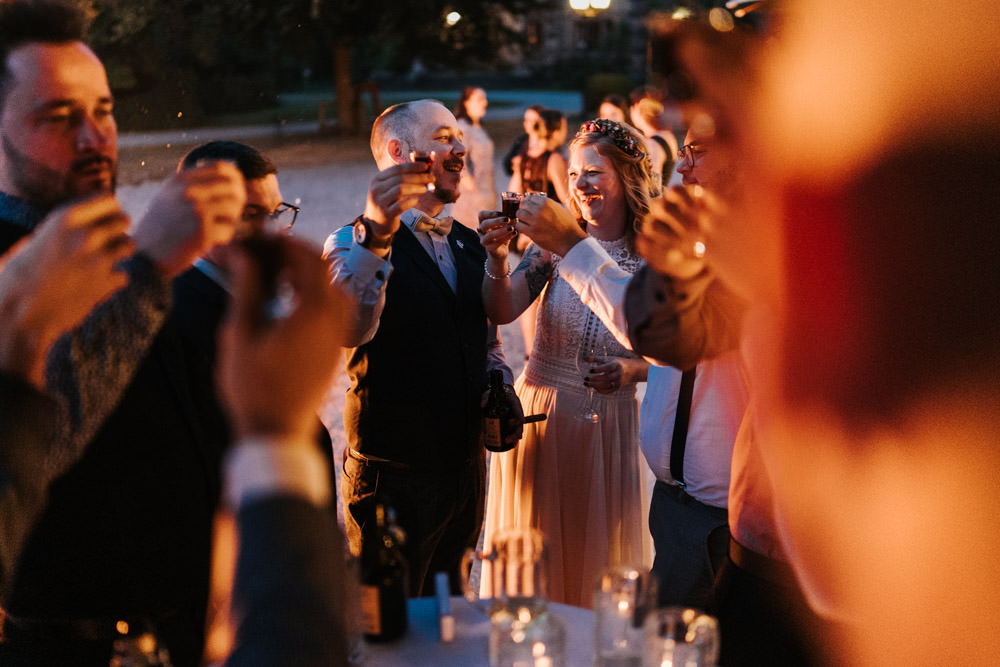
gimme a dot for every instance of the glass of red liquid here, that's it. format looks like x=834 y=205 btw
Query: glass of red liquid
x=509 y=203
x=426 y=158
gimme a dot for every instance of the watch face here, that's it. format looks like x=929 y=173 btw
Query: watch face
x=360 y=232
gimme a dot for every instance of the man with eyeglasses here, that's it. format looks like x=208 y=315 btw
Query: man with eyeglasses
x=689 y=308
x=264 y=211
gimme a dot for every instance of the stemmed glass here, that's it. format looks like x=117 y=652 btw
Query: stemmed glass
x=586 y=356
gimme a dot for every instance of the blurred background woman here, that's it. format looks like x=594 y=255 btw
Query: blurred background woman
x=477 y=188
x=649 y=115
x=574 y=478
x=531 y=116
x=613 y=107
x=540 y=167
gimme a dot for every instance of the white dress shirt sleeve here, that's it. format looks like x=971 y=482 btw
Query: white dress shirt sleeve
x=600 y=283
x=363 y=276
x=258 y=468
x=495 y=358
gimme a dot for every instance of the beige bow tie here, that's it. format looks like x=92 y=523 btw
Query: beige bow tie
x=440 y=226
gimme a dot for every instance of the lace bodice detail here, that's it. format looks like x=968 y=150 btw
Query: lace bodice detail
x=564 y=323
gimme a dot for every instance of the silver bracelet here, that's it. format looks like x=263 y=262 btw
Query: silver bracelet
x=486 y=268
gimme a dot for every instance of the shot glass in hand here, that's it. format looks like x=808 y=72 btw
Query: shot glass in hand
x=509 y=203
x=426 y=158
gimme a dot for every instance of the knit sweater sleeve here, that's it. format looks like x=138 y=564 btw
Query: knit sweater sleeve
x=89 y=368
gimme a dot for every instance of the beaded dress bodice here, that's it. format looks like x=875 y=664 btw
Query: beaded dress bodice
x=565 y=325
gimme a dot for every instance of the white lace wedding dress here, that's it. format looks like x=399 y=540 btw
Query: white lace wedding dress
x=576 y=481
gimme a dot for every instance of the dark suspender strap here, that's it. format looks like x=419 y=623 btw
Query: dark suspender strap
x=668 y=164
x=663 y=143
x=681 y=420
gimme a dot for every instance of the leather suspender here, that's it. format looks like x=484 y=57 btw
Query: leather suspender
x=681 y=420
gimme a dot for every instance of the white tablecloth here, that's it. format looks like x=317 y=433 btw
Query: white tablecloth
x=421 y=646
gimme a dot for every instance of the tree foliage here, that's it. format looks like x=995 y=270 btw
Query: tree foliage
x=185 y=57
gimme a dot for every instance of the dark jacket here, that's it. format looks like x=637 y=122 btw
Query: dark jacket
x=415 y=387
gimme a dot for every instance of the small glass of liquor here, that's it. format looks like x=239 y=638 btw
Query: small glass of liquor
x=509 y=203
x=681 y=636
x=428 y=159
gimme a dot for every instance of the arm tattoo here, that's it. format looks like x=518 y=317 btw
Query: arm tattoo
x=536 y=269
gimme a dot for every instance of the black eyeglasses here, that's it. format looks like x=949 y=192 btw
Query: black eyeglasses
x=280 y=220
x=690 y=152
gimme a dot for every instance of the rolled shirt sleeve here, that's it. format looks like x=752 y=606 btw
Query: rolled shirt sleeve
x=363 y=276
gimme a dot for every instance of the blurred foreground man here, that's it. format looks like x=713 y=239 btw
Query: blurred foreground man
x=58 y=158
x=420 y=348
x=883 y=415
x=875 y=362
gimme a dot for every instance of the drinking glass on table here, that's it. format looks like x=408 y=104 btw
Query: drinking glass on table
x=624 y=596
x=681 y=637
x=522 y=629
x=138 y=649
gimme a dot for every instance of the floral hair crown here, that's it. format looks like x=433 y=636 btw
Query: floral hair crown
x=624 y=140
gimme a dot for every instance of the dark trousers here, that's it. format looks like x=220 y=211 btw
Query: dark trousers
x=763 y=617
x=691 y=541
x=441 y=512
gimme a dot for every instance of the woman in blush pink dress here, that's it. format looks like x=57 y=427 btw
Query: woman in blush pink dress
x=576 y=480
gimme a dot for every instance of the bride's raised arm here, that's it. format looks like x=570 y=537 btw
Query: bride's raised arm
x=507 y=293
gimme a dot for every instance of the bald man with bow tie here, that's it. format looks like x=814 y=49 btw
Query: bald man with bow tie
x=419 y=349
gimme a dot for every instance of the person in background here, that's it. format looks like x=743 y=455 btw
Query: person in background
x=613 y=107
x=648 y=115
x=419 y=349
x=540 y=168
x=288 y=594
x=478 y=187
x=574 y=478
x=531 y=116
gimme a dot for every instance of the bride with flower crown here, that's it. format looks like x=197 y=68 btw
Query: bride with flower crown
x=576 y=475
